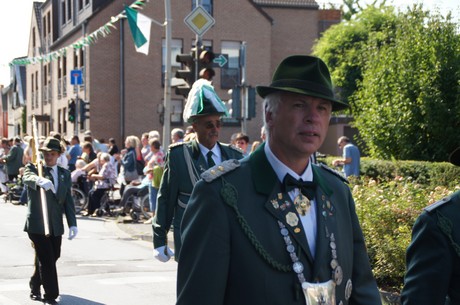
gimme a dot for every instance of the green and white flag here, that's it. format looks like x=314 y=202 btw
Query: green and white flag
x=140 y=28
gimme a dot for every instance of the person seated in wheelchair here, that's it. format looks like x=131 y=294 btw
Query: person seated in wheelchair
x=78 y=176
x=103 y=180
x=136 y=188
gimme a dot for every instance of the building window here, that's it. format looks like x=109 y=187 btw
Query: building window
x=176 y=111
x=69 y=10
x=63 y=11
x=230 y=77
x=176 y=48
x=206 y=4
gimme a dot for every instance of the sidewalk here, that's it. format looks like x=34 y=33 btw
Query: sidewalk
x=141 y=231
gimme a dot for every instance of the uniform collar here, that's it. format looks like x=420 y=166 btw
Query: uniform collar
x=281 y=169
x=264 y=176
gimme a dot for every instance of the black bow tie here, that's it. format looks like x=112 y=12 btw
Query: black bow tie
x=307 y=188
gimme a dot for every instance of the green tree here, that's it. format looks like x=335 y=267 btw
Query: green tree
x=407 y=104
x=343 y=47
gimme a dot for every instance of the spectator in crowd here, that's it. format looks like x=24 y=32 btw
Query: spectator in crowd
x=4 y=149
x=155 y=161
x=254 y=146
x=128 y=159
x=78 y=171
x=113 y=147
x=189 y=134
x=97 y=146
x=57 y=184
x=351 y=158
x=185 y=162
x=88 y=153
x=273 y=227
x=433 y=256
x=13 y=159
x=177 y=135
x=28 y=150
x=74 y=152
x=242 y=142
x=145 y=147
x=103 y=180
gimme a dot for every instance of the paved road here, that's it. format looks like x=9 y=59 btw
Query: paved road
x=103 y=265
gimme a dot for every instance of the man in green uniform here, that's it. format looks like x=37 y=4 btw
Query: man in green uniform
x=186 y=161
x=274 y=228
x=56 y=182
x=14 y=160
x=433 y=256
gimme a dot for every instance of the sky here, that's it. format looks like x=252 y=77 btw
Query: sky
x=15 y=19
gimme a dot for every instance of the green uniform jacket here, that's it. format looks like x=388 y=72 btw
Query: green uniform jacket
x=220 y=265
x=433 y=257
x=176 y=187
x=58 y=203
x=14 y=160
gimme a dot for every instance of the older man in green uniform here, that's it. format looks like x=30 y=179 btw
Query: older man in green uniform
x=433 y=257
x=56 y=182
x=275 y=228
x=186 y=161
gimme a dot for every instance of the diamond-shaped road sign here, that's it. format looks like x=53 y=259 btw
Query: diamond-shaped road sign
x=199 y=20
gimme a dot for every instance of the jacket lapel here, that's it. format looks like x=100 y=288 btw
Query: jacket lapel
x=278 y=203
x=200 y=163
x=326 y=224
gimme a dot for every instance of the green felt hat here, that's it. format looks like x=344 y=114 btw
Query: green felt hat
x=302 y=74
x=51 y=144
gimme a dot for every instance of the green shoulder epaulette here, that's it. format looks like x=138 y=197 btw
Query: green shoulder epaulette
x=334 y=172
x=177 y=144
x=437 y=204
x=218 y=170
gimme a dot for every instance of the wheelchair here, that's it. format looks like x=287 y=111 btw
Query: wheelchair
x=109 y=204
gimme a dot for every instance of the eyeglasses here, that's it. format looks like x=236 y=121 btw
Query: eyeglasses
x=212 y=125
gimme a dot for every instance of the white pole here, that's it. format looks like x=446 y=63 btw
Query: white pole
x=167 y=91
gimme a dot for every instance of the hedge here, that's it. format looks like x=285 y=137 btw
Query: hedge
x=389 y=196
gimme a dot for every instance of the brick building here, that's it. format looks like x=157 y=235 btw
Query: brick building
x=125 y=89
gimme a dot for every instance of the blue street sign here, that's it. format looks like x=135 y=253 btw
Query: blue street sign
x=76 y=77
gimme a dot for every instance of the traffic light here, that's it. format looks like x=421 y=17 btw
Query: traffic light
x=187 y=74
x=71 y=113
x=205 y=63
x=84 y=110
x=235 y=103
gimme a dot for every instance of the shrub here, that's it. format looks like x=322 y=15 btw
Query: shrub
x=389 y=196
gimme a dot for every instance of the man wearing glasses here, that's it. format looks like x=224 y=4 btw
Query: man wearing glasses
x=186 y=161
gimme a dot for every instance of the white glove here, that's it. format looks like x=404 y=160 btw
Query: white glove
x=163 y=253
x=73 y=231
x=45 y=184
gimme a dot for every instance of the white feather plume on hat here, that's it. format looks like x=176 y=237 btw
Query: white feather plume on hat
x=203 y=100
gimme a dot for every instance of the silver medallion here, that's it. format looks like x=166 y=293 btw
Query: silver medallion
x=297 y=267
x=292 y=219
x=348 y=289
x=338 y=275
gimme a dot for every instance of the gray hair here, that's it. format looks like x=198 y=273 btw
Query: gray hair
x=271 y=104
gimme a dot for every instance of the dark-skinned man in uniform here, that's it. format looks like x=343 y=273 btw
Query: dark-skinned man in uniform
x=185 y=161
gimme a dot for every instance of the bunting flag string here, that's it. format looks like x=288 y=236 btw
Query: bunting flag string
x=88 y=40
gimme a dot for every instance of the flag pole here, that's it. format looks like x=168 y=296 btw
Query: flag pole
x=167 y=90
